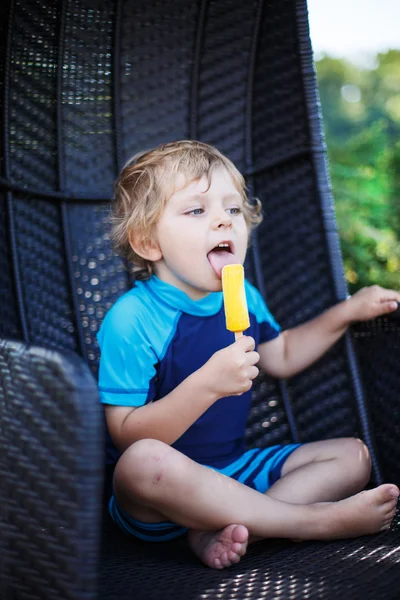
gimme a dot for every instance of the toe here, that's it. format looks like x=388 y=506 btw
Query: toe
x=225 y=561
x=237 y=547
x=240 y=534
x=391 y=491
x=234 y=558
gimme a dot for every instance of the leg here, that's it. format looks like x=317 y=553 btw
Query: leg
x=323 y=471
x=153 y=482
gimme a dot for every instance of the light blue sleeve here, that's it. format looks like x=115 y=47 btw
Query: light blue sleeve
x=127 y=361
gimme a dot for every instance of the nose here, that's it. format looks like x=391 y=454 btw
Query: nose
x=222 y=220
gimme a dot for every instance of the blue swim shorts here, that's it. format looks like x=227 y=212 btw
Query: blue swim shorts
x=258 y=468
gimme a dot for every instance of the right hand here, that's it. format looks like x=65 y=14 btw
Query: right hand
x=230 y=371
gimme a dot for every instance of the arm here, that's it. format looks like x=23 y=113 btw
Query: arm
x=298 y=348
x=228 y=372
x=166 y=419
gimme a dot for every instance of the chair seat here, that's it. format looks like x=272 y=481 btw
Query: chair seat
x=364 y=568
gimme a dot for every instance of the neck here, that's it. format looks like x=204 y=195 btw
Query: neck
x=192 y=292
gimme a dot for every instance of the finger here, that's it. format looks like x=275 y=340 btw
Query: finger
x=245 y=387
x=246 y=342
x=391 y=295
x=253 y=372
x=392 y=305
x=252 y=358
x=395 y=314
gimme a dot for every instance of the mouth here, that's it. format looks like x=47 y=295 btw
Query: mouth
x=222 y=254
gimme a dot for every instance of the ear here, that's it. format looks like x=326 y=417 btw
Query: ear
x=146 y=248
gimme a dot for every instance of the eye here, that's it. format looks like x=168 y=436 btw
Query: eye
x=195 y=211
x=234 y=210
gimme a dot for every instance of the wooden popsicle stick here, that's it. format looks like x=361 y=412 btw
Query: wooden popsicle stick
x=238 y=334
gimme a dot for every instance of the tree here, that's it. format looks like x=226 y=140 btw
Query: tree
x=361 y=110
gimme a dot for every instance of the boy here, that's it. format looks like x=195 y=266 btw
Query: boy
x=176 y=387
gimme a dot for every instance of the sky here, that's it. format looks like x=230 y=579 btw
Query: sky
x=354 y=29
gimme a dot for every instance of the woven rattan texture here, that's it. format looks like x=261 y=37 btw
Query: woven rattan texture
x=363 y=569
x=4 y=11
x=378 y=345
x=267 y=423
x=223 y=74
x=279 y=118
x=299 y=287
x=9 y=319
x=33 y=147
x=99 y=276
x=41 y=259
x=155 y=72
x=51 y=474
x=88 y=149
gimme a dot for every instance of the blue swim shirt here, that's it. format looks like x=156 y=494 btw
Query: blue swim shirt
x=154 y=337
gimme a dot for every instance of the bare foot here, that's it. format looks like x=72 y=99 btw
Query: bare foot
x=219 y=549
x=365 y=513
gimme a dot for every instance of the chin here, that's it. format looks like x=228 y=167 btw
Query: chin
x=216 y=286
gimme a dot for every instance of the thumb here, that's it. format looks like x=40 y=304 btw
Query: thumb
x=392 y=305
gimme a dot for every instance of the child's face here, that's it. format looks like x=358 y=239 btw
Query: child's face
x=195 y=220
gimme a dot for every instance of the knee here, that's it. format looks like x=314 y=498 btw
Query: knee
x=358 y=460
x=142 y=466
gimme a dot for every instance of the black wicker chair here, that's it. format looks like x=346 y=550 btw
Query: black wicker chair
x=84 y=85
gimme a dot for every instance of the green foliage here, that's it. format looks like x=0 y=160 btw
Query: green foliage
x=361 y=110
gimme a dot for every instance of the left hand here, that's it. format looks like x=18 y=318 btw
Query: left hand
x=371 y=302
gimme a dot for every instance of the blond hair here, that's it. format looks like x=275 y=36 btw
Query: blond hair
x=147 y=182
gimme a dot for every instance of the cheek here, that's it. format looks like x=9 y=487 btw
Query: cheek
x=245 y=234
x=167 y=235
x=180 y=243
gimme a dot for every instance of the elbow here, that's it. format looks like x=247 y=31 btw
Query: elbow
x=128 y=433
x=280 y=372
x=288 y=365
x=282 y=369
x=121 y=440
x=123 y=429
x=286 y=370
x=132 y=430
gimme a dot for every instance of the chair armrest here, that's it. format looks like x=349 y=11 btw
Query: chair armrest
x=378 y=349
x=51 y=444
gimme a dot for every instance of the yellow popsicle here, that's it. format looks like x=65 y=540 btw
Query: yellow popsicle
x=236 y=312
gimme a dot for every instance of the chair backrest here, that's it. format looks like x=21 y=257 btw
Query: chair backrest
x=87 y=85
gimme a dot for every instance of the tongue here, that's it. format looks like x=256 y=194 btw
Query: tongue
x=219 y=258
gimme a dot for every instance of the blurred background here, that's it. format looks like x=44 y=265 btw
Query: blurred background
x=357 y=56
